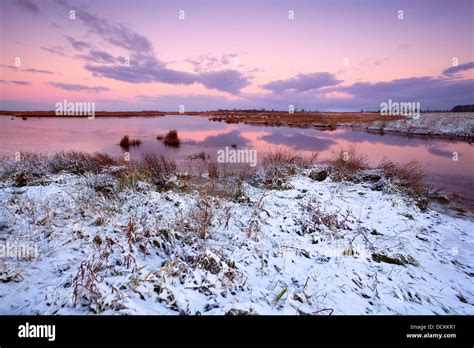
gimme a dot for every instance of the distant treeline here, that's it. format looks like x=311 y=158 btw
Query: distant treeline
x=463 y=108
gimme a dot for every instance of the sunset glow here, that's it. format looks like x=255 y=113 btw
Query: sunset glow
x=325 y=55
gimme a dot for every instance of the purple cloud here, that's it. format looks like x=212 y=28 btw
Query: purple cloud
x=144 y=66
x=16 y=82
x=77 y=87
x=38 y=71
x=30 y=70
x=231 y=81
x=97 y=57
x=77 y=44
x=115 y=33
x=455 y=69
x=54 y=50
x=303 y=82
x=422 y=89
x=210 y=62
x=22 y=83
x=29 y=6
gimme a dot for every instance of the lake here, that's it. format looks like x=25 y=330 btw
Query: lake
x=197 y=134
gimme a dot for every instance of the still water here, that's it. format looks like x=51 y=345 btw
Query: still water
x=197 y=134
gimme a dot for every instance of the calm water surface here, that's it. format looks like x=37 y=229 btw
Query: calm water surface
x=49 y=135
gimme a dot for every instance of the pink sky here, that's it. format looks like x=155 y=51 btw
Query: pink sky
x=243 y=54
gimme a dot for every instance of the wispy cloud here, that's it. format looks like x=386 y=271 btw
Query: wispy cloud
x=115 y=33
x=97 y=57
x=38 y=71
x=78 y=87
x=17 y=82
x=58 y=50
x=455 y=69
x=424 y=89
x=29 y=70
x=77 y=44
x=145 y=67
x=29 y=6
x=303 y=82
x=212 y=62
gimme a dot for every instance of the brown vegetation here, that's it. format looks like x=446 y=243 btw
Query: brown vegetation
x=281 y=164
x=172 y=139
x=97 y=113
x=329 y=120
x=346 y=163
x=127 y=142
x=408 y=175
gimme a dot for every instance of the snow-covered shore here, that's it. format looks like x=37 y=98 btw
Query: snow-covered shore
x=457 y=125
x=312 y=246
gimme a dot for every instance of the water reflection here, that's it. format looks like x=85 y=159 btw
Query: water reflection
x=199 y=134
x=298 y=141
x=226 y=139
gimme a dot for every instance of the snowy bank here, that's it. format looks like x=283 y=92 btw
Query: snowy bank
x=311 y=242
x=455 y=124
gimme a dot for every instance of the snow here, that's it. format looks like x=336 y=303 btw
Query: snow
x=441 y=124
x=252 y=251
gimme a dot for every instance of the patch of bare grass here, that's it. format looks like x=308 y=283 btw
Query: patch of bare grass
x=345 y=164
x=156 y=170
x=172 y=139
x=280 y=165
x=409 y=176
x=126 y=142
x=317 y=217
x=81 y=162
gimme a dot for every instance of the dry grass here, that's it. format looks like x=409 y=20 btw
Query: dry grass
x=156 y=170
x=202 y=216
x=278 y=118
x=157 y=167
x=126 y=142
x=286 y=157
x=256 y=219
x=199 y=156
x=281 y=164
x=319 y=217
x=347 y=163
x=409 y=176
x=81 y=162
x=172 y=139
x=213 y=171
x=34 y=168
x=237 y=193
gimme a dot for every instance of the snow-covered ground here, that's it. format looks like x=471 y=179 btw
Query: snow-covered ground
x=456 y=124
x=316 y=247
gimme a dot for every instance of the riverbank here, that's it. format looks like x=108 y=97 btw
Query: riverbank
x=296 y=236
x=449 y=125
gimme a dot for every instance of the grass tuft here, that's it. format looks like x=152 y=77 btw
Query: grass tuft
x=172 y=139
x=409 y=176
x=280 y=165
x=347 y=163
x=126 y=142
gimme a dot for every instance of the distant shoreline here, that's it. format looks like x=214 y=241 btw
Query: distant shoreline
x=448 y=125
x=241 y=114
